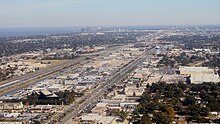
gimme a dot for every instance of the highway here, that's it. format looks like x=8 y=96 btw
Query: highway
x=89 y=99
x=18 y=82
x=40 y=75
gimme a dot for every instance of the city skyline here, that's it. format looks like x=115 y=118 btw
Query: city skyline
x=43 y=13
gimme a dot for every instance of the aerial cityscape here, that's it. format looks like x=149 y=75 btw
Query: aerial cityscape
x=90 y=62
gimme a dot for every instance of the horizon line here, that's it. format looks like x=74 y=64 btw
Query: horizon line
x=79 y=26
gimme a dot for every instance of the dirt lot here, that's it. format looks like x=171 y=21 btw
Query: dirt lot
x=43 y=63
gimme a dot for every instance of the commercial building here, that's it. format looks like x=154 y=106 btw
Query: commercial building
x=199 y=74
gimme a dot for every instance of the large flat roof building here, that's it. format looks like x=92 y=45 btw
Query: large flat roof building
x=200 y=74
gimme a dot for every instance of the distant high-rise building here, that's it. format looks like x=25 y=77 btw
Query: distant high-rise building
x=83 y=30
x=87 y=29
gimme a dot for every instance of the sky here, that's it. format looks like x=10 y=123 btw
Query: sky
x=44 y=13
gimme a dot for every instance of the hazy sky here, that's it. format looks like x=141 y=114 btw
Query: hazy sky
x=29 y=13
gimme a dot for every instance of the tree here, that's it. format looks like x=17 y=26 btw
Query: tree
x=194 y=111
x=145 y=120
x=145 y=97
x=122 y=114
x=170 y=112
x=161 y=118
x=204 y=111
x=148 y=85
x=213 y=105
x=134 y=94
x=189 y=100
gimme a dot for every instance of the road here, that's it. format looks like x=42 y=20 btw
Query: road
x=40 y=75
x=15 y=83
x=88 y=99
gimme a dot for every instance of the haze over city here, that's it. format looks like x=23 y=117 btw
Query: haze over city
x=47 y=13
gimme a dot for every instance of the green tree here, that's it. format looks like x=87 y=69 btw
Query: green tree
x=170 y=112
x=161 y=118
x=145 y=120
x=189 y=100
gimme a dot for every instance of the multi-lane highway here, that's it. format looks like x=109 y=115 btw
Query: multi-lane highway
x=18 y=82
x=83 y=102
x=89 y=99
x=6 y=87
